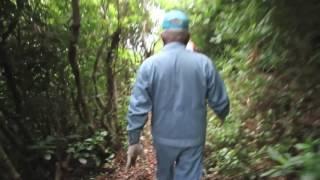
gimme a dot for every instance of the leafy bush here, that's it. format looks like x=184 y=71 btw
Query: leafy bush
x=305 y=163
x=90 y=151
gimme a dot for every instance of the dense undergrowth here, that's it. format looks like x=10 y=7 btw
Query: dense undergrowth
x=268 y=53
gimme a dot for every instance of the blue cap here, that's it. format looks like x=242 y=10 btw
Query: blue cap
x=175 y=20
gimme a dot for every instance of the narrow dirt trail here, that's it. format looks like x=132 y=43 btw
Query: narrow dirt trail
x=145 y=166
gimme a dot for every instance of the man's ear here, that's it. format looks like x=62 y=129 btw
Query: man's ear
x=163 y=37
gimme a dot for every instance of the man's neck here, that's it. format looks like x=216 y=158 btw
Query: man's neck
x=169 y=42
x=173 y=45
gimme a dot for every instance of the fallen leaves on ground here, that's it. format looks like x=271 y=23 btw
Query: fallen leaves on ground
x=144 y=169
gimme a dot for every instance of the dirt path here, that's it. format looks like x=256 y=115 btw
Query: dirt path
x=145 y=166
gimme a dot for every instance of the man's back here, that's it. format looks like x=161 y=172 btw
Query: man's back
x=178 y=87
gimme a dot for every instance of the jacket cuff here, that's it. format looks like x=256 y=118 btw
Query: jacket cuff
x=134 y=136
x=222 y=116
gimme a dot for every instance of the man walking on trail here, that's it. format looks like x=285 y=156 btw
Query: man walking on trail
x=175 y=85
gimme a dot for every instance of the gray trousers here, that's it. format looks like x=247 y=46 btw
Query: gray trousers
x=175 y=163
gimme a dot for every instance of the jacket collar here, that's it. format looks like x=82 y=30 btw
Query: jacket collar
x=173 y=45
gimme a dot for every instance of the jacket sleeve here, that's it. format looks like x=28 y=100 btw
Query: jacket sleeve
x=140 y=104
x=217 y=95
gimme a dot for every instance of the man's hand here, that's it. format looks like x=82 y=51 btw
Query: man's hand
x=222 y=119
x=134 y=151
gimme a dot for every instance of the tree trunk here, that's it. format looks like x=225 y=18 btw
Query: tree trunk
x=11 y=171
x=94 y=73
x=16 y=95
x=72 y=56
x=111 y=105
x=9 y=73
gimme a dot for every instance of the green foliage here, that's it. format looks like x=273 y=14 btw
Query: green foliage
x=305 y=163
x=91 y=150
x=40 y=104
